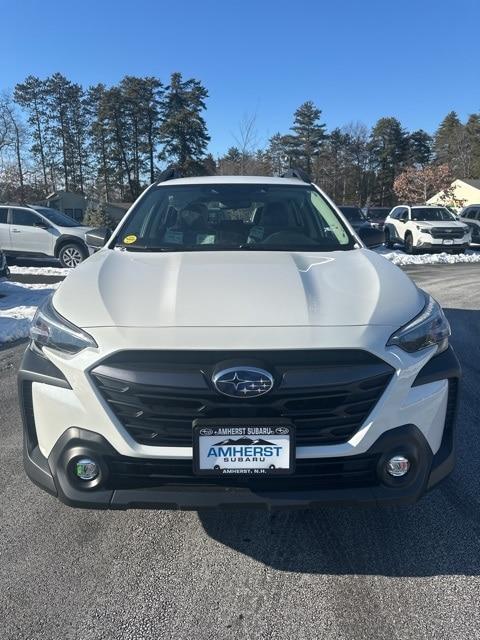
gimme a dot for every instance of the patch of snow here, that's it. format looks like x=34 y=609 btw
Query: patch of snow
x=18 y=303
x=402 y=259
x=40 y=271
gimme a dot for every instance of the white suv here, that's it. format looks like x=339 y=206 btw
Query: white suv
x=33 y=231
x=471 y=217
x=426 y=227
x=240 y=345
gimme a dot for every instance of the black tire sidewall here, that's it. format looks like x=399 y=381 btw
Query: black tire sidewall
x=76 y=246
x=388 y=240
x=409 y=248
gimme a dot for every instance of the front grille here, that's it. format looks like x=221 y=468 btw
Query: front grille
x=444 y=233
x=337 y=473
x=157 y=395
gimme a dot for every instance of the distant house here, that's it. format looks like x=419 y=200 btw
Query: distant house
x=465 y=190
x=75 y=205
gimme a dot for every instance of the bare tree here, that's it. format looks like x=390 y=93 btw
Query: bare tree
x=247 y=141
x=11 y=135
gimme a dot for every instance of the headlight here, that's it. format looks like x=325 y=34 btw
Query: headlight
x=424 y=230
x=49 y=329
x=429 y=328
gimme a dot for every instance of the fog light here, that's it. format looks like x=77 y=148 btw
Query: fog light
x=86 y=469
x=398 y=466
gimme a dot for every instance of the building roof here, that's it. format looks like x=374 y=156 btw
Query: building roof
x=471 y=182
x=233 y=180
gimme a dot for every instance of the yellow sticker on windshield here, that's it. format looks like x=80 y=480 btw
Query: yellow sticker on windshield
x=129 y=239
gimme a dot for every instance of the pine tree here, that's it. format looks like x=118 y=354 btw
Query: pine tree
x=472 y=131
x=100 y=147
x=229 y=164
x=420 y=150
x=277 y=154
x=184 y=130
x=388 y=147
x=308 y=136
x=31 y=96
x=448 y=143
x=96 y=215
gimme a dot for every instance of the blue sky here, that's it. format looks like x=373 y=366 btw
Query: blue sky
x=357 y=60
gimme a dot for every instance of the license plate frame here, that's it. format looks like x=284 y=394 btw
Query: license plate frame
x=275 y=432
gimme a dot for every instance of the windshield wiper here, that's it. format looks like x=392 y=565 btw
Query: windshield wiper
x=299 y=248
x=140 y=248
x=242 y=247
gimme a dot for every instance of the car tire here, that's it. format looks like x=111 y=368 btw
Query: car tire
x=71 y=255
x=388 y=239
x=409 y=247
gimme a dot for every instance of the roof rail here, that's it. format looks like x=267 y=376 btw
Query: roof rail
x=300 y=174
x=170 y=173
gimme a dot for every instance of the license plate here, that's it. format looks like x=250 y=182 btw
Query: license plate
x=448 y=241
x=255 y=448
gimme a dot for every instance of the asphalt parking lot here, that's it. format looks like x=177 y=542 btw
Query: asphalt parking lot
x=409 y=572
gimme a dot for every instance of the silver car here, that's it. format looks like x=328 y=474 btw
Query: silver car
x=40 y=231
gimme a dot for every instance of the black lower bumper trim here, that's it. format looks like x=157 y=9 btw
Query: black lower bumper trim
x=37 y=469
x=55 y=476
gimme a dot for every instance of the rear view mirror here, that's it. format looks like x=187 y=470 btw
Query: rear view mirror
x=371 y=236
x=97 y=238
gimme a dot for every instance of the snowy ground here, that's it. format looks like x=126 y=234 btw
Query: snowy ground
x=39 y=271
x=18 y=302
x=398 y=257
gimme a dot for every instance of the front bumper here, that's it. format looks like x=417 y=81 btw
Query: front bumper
x=152 y=490
x=129 y=481
x=426 y=241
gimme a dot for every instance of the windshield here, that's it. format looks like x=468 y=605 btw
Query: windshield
x=432 y=214
x=379 y=212
x=228 y=217
x=353 y=214
x=57 y=217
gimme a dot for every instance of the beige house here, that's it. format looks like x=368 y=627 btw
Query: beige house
x=466 y=191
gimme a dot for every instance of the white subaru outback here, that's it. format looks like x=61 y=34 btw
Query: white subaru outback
x=235 y=342
x=426 y=227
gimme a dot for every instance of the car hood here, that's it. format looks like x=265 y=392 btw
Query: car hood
x=74 y=231
x=440 y=223
x=237 y=288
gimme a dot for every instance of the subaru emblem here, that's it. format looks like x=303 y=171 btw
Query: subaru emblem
x=243 y=382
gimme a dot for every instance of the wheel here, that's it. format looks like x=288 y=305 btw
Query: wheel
x=409 y=248
x=388 y=239
x=71 y=255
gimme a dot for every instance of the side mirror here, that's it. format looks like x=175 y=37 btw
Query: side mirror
x=41 y=225
x=371 y=236
x=97 y=238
